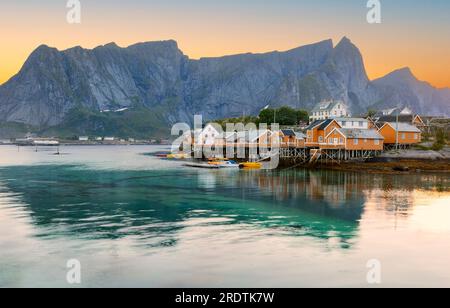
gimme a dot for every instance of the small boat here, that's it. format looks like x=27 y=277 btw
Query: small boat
x=225 y=164
x=46 y=142
x=177 y=156
x=250 y=165
x=201 y=165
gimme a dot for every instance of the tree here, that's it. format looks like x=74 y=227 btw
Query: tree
x=371 y=113
x=286 y=116
x=302 y=116
x=440 y=140
x=244 y=120
x=266 y=116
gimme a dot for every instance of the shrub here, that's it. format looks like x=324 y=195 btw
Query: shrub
x=441 y=140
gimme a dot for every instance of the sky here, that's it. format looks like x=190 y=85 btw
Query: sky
x=412 y=33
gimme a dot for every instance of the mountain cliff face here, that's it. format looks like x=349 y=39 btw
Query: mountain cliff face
x=157 y=78
x=402 y=88
x=53 y=83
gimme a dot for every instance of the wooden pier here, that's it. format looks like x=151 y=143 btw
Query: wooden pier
x=289 y=154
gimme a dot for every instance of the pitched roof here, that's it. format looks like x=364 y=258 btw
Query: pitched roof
x=343 y=119
x=314 y=124
x=326 y=106
x=408 y=118
x=325 y=123
x=300 y=136
x=387 y=111
x=404 y=127
x=361 y=133
x=288 y=132
x=321 y=106
x=251 y=135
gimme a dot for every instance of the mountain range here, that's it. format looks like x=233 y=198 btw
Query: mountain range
x=146 y=87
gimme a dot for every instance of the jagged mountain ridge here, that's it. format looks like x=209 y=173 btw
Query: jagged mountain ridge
x=403 y=88
x=159 y=78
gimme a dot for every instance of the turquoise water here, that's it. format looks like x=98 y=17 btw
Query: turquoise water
x=134 y=220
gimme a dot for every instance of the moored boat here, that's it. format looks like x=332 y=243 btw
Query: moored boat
x=225 y=164
x=201 y=165
x=177 y=156
x=251 y=165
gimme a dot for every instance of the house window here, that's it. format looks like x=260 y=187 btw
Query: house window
x=335 y=140
x=403 y=136
x=361 y=123
x=355 y=141
x=344 y=123
x=377 y=142
x=416 y=136
x=320 y=139
x=341 y=140
x=330 y=140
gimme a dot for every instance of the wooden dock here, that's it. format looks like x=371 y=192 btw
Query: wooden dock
x=289 y=154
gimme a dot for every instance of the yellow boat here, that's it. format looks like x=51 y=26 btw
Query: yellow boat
x=217 y=163
x=177 y=156
x=251 y=165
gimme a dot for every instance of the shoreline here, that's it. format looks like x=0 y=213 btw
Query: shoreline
x=379 y=165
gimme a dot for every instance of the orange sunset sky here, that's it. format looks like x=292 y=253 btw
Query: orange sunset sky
x=413 y=33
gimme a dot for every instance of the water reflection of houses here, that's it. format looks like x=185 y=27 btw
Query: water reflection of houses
x=340 y=194
x=325 y=193
x=395 y=195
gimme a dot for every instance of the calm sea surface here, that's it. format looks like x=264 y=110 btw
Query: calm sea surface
x=134 y=220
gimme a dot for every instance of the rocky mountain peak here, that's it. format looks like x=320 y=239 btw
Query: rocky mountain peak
x=53 y=85
x=403 y=76
x=403 y=73
x=348 y=61
x=345 y=42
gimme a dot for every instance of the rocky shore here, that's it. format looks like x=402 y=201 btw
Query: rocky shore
x=398 y=162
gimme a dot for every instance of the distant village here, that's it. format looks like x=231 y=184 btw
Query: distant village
x=332 y=134
x=328 y=133
x=33 y=140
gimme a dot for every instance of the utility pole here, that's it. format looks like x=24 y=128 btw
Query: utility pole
x=396 y=131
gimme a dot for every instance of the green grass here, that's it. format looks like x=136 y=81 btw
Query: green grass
x=139 y=122
x=14 y=130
